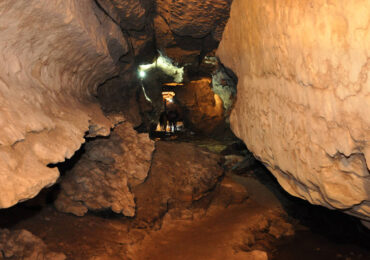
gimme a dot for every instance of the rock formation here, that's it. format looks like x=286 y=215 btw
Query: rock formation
x=187 y=29
x=54 y=54
x=21 y=244
x=203 y=110
x=59 y=55
x=304 y=95
x=104 y=176
x=181 y=175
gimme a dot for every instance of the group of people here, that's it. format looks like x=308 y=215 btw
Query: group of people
x=169 y=118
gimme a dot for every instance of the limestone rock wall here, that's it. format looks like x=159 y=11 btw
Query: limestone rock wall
x=53 y=55
x=303 y=97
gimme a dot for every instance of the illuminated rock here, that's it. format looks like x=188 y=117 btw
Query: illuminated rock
x=54 y=54
x=102 y=179
x=303 y=97
x=203 y=110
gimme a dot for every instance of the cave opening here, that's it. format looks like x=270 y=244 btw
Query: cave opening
x=183 y=130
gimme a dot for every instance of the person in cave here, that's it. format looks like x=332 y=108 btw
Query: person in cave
x=173 y=115
x=163 y=120
x=170 y=117
x=173 y=118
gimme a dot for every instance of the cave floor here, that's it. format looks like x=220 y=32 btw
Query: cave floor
x=220 y=234
x=212 y=237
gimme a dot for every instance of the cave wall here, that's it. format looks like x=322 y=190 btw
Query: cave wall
x=184 y=31
x=54 y=53
x=57 y=56
x=303 y=98
x=202 y=109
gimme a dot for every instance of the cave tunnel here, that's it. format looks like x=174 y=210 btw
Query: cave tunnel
x=163 y=129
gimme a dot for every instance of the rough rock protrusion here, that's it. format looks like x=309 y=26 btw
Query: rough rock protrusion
x=54 y=54
x=180 y=176
x=21 y=244
x=303 y=98
x=104 y=176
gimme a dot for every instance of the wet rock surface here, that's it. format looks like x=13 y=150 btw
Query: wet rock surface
x=21 y=244
x=104 y=176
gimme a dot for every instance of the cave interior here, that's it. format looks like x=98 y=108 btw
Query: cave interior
x=161 y=129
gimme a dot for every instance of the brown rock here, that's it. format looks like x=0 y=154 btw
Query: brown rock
x=253 y=255
x=194 y=18
x=203 y=109
x=129 y=14
x=186 y=29
x=229 y=192
x=103 y=177
x=181 y=174
x=163 y=34
x=21 y=244
x=279 y=230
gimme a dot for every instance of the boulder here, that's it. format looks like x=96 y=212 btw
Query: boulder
x=105 y=174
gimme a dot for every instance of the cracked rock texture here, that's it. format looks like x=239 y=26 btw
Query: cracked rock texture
x=54 y=53
x=21 y=244
x=303 y=97
x=105 y=174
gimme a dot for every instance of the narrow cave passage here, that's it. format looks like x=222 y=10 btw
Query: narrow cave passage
x=200 y=195
x=159 y=129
